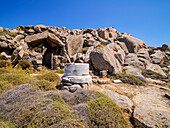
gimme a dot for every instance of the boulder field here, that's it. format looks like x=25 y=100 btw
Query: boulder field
x=103 y=49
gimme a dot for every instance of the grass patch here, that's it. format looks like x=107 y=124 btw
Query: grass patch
x=49 y=76
x=44 y=85
x=60 y=71
x=131 y=79
x=13 y=78
x=104 y=112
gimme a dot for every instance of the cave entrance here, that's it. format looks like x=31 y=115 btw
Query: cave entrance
x=47 y=58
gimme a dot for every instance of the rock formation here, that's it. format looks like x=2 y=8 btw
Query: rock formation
x=104 y=49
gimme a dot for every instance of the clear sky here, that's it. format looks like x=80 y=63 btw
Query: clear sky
x=148 y=20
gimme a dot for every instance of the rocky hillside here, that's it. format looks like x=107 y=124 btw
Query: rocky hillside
x=104 y=49
x=31 y=100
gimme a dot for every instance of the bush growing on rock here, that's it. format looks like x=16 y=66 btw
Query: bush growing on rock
x=130 y=79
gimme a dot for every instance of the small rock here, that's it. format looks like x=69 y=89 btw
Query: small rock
x=117 y=81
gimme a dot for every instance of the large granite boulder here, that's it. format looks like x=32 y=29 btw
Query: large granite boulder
x=132 y=60
x=157 y=57
x=52 y=40
x=155 y=68
x=103 y=58
x=36 y=38
x=74 y=44
x=40 y=28
x=133 y=44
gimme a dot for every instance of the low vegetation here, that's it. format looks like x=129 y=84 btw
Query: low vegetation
x=49 y=76
x=104 y=112
x=152 y=74
x=60 y=71
x=44 y=85
x=8 y=33
x=130 y=79
x=34 y=108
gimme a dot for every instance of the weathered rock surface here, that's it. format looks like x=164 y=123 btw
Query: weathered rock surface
x=157 y=57
x=74 y=44
x=36 y=38
x=155 y=68
x=152 y=110
x=132 y=60
x=123 y=101
x=107 y=59
x=133 y=44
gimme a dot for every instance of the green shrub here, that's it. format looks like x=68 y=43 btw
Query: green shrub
x=104 y=112
x=6 y=124
x=49 y=76
x=61 y=71
x=131 y=79
x=13 y=78
x=44 y=85
x=24 y=64
x=4 y=63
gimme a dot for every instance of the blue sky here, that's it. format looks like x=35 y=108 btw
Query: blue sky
x=148 y=20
